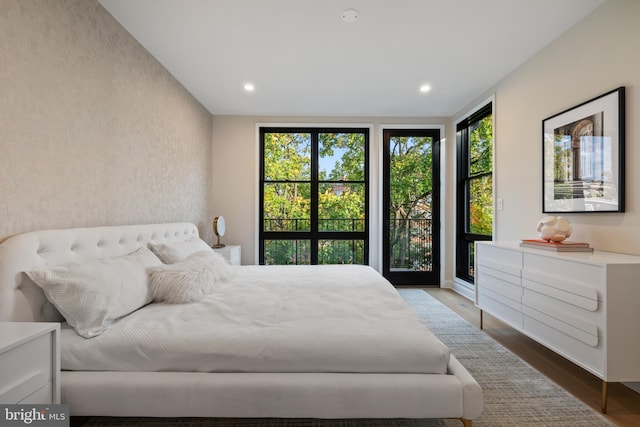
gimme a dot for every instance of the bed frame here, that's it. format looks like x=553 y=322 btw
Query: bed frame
x=195 y=394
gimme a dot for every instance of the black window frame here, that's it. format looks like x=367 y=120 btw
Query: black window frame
x=412 y=278
x=314 y=235
x=463 y=237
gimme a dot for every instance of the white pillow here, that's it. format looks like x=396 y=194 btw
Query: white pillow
x=190 y=279
x=177 y=251
x=92 y=294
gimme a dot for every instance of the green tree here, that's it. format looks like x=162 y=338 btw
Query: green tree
x=350 y=165
x=481 y=167
x=481 y=146
x=341 y=205
x=410 y=176
x=287 y=171
x=411 y=192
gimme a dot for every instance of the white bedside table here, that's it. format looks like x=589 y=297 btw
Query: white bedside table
x=29 y=363
x=232 y=253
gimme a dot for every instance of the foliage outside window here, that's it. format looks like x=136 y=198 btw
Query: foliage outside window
x=410 y=200
x=314 y=196
x=474 y=201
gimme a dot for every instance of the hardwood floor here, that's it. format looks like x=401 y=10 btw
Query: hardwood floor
x=623 y=403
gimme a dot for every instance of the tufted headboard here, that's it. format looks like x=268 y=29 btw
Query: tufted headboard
x=22 y=300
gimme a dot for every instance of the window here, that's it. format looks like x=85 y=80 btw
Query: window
x=314 y=196
x=474 y=192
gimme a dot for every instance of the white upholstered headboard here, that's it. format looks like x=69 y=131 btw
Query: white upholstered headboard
x=22 y=300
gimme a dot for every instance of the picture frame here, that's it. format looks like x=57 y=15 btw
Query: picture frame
x=583 y=157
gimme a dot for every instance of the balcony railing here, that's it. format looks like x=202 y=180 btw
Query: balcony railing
x=330 y=251
x=411 y=243
x=303 y=224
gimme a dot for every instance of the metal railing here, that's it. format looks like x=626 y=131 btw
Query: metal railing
x=284 y=252
x=287 y=252
x=411 y=244
x=304 y=224
x=330 y=251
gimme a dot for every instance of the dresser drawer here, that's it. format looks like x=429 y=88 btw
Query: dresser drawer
x=503 y=308
x=499 y=282
x=558 y=337
x=576 y=322
x=45 y=394
x=570 y=293
x=583 y=279
x=26 y=369
x=501 y=259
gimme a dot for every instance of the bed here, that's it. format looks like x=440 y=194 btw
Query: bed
x=267 y=342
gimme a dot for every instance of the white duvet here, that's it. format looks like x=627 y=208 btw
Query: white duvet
x=338 y=318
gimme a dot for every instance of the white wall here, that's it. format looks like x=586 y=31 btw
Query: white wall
x=598 y=55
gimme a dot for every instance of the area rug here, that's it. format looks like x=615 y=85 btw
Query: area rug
x=515 y=394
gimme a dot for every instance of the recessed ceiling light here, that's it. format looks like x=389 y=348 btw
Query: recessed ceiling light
x=249 y=87
x=349 y=16
x=425 y=88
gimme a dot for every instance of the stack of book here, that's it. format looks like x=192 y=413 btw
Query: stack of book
x=556 y=246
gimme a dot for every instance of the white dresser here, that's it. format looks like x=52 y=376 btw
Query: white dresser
x=582 y=305
x=29 y=363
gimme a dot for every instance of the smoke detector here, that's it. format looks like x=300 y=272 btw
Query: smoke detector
x=349 y=16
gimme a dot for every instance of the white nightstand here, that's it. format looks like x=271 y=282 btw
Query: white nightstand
x=231 y=253
x=29 y=363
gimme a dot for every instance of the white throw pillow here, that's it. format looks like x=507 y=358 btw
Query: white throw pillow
x=92 y=294
x=190 y=279
x=177 y=251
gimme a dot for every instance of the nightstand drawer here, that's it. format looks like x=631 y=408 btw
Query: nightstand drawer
x=232 y=253
x=45 y=394
x=26 y=369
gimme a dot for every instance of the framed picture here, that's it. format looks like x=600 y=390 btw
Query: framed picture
x=583 y=157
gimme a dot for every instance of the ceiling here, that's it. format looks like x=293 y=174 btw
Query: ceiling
x=303 y=59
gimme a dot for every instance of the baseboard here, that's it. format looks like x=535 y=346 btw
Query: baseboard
x=465 y=289
x=447 y=284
